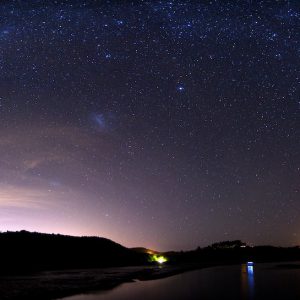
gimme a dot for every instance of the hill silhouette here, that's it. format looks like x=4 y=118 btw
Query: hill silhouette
x=24 y=251
x=144 y=250
x=232 y=252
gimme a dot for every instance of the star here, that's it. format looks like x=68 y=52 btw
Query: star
x=180 y=88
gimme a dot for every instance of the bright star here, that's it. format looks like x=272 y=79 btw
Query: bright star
x=180 y=88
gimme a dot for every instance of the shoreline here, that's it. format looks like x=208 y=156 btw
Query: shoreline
x=54 y=285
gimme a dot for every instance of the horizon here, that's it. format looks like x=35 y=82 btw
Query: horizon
x=164 y=124
x=148 y=248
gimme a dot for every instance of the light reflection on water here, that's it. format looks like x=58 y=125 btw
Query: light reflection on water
x=246 y=281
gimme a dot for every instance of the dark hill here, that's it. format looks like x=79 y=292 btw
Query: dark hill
x=144 y=250
x=30 y=251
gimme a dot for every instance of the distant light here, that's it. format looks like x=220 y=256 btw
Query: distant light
x=160 y=259
x=250 y=263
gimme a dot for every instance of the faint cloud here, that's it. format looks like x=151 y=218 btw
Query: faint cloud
x=22 y=197
x=32 y=164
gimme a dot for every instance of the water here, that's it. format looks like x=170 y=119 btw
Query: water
x=258 y=281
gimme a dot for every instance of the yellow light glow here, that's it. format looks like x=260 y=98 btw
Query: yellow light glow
x=160 y=259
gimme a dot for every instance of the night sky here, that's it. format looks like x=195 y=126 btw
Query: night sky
x=164 y=124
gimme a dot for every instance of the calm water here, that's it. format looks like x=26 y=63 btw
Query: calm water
x=261 y=281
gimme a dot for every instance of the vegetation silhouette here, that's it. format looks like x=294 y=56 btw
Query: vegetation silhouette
x=232 y=252
x=25 y=252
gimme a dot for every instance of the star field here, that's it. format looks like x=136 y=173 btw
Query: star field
x=164 y=124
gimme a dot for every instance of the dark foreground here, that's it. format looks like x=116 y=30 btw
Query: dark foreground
x=57 y=284
x=49 y=266
x=239 y=281
x=262 y=281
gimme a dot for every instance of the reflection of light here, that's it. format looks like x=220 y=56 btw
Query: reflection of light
x=247 y=280
x=250 y=273
x=250 y=270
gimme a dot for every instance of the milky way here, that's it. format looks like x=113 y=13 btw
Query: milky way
x=165 y=124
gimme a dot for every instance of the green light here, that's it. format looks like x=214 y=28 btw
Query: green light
x=158 y=258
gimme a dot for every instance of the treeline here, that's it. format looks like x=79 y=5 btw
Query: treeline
x=23 y=252
x=236 y=252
